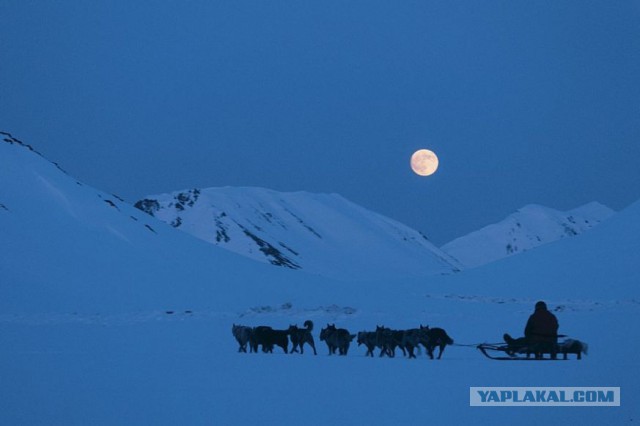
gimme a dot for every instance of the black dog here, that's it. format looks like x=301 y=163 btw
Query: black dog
x=434 y=337
x=389 y=340
x=268 y=338
x=337 y=339
x=411 y=339
x=368 y=338
x=300 y=336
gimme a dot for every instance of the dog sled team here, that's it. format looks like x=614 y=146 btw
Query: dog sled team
x=338 y=340
x=540 y=338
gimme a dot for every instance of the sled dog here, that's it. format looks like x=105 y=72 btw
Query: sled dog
x=434 y=337
x=389 y=340
x=300 y=336
x=268 y=338
x=337 y=339
x=242 y=334
x=367 y=338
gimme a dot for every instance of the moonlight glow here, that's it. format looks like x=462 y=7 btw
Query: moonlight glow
x=424 y=162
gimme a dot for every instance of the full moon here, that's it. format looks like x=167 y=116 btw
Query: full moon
x=424 y=162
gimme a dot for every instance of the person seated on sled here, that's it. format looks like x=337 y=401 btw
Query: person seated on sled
x=541 y=331
x=541 y=334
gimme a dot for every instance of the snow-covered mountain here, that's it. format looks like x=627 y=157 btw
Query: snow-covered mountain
x=322 y=234
x=109 y=316
x=530 y=227
x=69 y=247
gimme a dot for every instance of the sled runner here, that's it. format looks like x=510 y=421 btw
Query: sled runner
x=502 y=352
x=506 y=352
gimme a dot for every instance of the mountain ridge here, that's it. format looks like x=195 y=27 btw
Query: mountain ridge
x=529 y=227
x=324 y=234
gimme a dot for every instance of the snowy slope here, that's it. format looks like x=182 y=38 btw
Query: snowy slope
x=67 y=246
x=320 y=233
x=108 y=316
x=530 y=227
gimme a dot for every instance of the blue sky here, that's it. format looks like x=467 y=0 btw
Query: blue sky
x=524 y=102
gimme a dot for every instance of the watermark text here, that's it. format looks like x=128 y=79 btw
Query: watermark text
x=544 y=396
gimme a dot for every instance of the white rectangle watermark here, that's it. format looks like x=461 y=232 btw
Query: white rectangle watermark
x=544 y=396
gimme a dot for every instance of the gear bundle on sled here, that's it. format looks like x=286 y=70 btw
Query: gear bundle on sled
x=523 y=350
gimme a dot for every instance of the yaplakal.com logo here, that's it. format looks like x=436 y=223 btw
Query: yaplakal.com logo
x=544 y=396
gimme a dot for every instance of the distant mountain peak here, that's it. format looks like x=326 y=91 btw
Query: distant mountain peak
x=323 y=234
x=529 y=227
